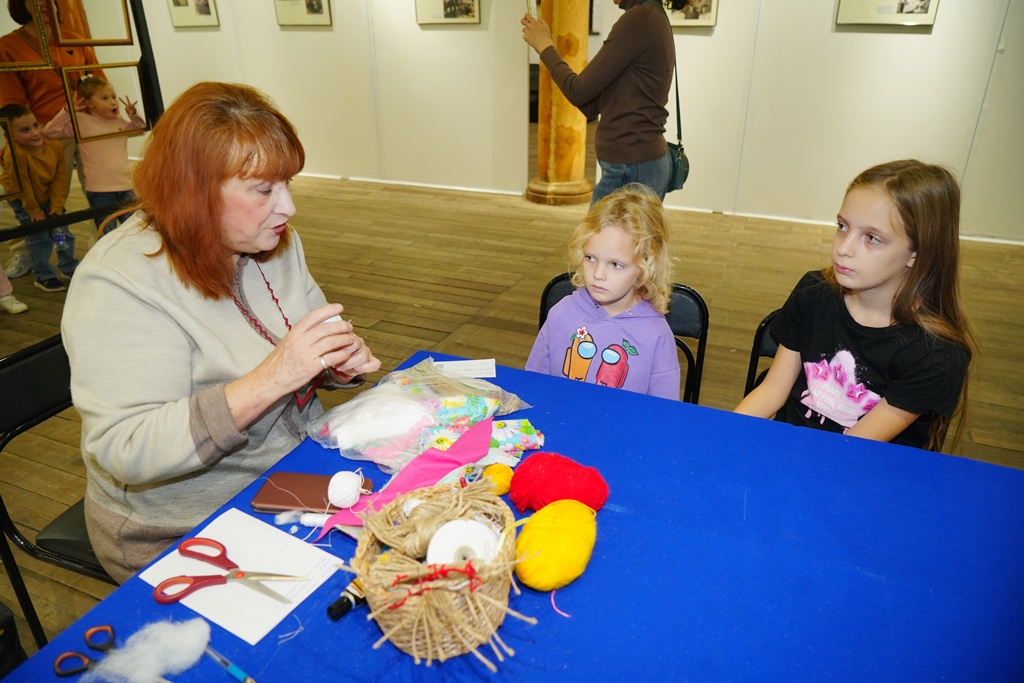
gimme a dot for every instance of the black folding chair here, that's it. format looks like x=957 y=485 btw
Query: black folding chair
x=35 y=385
x=764 y=346
x=687 y=317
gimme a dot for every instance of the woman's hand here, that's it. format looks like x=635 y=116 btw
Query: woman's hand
x=536 y=33
x=314 y=344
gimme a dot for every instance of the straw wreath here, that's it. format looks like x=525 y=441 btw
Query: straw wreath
x=435 y=612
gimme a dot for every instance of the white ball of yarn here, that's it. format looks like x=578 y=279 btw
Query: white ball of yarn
x=343 y=491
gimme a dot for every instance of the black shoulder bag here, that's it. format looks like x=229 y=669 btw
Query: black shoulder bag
x=677 y=155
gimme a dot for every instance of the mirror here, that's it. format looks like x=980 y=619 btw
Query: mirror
x=92 y=22
x=124 y=82
x=15 y=178
x=20 y=49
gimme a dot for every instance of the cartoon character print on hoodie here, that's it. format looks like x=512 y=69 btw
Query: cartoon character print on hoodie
x=634 y=350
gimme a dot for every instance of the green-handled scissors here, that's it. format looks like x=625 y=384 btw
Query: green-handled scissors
x=177 y=587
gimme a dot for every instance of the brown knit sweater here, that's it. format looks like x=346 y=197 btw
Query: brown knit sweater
x=627 y=83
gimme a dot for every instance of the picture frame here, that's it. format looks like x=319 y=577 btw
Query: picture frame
x=447 y=11
x=125 y=78
x=303 y=12
x=696 y=13
x=193 y=13
x=107 y=21
x=5 y=192
x=891 y=12
x=7 y=25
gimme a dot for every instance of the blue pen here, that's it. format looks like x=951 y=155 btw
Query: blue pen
x=232 y=669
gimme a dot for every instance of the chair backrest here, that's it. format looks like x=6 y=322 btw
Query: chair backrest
x=764 y=346
x=687 y=317
x=35 y=385
x=557 y=289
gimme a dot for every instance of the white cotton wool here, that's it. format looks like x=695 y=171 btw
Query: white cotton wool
x=155 y=650
x=385 y=412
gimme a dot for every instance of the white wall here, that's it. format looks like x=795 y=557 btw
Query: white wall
x=374 y=95
x=994 y=202
x=780 y=107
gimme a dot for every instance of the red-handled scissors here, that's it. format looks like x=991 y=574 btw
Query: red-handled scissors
x=177 y=587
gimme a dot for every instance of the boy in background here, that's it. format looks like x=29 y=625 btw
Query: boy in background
x=42 y=182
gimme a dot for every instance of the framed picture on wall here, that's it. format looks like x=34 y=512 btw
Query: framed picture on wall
x=303 y=12
x=448 y=11
x=189 y=13
x=898 y=12
x=105 y=22
x=124 y=81
x=37 y=62
x=695 y=13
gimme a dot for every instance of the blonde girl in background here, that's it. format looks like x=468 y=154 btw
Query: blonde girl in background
x=108 y=174
x=612 y=330
x=878 y=344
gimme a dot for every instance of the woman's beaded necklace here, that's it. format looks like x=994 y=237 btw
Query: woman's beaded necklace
x=303 y=399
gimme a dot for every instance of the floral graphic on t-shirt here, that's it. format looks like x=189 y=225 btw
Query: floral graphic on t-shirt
x=834 y=392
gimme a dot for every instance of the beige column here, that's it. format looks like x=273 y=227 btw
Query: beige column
x=561 y=127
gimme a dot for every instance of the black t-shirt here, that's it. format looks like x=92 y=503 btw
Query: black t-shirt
x=849 y=368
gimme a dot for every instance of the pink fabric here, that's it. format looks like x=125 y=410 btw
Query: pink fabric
x=426 y=469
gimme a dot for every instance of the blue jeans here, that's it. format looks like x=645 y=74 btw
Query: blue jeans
x=654 y=174
x=107 y=198
x=40 y=246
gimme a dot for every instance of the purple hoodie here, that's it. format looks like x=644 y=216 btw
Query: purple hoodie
x=635 y=350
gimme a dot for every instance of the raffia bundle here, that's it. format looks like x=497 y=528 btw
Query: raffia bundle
x=435 y=612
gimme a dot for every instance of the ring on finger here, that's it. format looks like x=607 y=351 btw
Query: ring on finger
x=323 y=363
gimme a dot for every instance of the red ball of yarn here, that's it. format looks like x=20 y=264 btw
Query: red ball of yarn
x=543 y=478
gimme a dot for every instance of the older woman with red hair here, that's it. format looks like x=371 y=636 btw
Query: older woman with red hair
x=197 y=336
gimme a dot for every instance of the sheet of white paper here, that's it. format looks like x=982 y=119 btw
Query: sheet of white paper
x=467 y=368
x=254 y=546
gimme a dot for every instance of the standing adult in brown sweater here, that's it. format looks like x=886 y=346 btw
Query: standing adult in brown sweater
x=627 y=83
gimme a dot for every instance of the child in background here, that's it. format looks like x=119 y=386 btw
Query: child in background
x=7 y=300
x=108 y=175
x=620 y=263
x=42 y=184
x=878 y=344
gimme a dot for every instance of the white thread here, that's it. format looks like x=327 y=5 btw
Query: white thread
x=314 y=519
x=343 y=491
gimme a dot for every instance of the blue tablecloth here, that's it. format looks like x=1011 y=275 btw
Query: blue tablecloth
x=731 y=548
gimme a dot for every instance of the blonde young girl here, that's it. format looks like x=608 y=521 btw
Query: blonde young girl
x=878 y=344
x=612 y=330
x=108 y=177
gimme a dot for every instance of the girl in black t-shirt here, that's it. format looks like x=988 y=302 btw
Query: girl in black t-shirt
x=878 y=344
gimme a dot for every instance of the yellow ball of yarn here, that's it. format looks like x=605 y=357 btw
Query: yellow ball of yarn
x=556 y=543
x=501 y=475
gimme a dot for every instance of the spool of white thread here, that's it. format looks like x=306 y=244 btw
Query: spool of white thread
x=344 y=489
x=460 y=540
x=314 y=519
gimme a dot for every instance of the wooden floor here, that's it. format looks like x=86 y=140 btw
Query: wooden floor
x=461 y=273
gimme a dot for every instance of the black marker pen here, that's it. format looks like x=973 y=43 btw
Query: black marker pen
x=351 y=598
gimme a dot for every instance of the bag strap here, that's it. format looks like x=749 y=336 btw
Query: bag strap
x=679 y=118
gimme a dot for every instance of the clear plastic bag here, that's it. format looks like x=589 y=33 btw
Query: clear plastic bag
x=407 y=412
